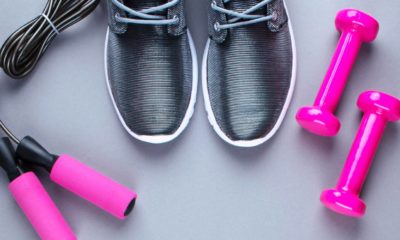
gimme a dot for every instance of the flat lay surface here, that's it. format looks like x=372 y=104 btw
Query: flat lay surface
x=199 y=187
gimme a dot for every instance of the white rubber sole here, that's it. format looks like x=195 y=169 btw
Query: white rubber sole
x=158 y=139
x=210 y=113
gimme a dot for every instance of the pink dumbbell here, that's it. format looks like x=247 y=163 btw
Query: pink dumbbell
x=356 y=27
x=379 y=108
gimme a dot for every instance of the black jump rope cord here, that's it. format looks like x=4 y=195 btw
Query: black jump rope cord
x=22 y=50
x=9 y=133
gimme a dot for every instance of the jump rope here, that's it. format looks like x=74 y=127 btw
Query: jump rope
x=19 y=56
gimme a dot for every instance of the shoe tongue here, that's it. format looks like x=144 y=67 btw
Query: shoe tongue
x=143 y=4
x=241 y=6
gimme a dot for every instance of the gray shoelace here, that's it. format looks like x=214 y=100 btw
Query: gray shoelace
x=246 y=15
x=146 y=16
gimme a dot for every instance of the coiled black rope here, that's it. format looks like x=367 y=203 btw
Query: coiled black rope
x=24 y=48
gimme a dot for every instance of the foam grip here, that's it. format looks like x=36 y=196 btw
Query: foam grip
x=96 y=188
x=38 y=207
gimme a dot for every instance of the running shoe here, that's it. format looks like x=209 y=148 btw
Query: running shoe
x=151 y=67
x=249 y=68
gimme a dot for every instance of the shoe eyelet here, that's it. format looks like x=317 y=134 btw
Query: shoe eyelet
x=217 y=27
x=176 y=18
x=274 y=16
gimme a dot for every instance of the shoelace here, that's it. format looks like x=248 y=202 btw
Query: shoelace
x=146 y=16
x=246 y=15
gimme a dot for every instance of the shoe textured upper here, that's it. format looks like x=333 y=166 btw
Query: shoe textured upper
x=249 y=69
x=149 y=68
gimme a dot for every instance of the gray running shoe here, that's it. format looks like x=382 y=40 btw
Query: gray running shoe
x=249 y=69
x=151 y=67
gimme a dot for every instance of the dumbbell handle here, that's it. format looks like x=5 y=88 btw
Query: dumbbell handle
x=336 y=77
x=362 y=152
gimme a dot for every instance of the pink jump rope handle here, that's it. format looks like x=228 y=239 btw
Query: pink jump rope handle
x=356 y=27
x=38 y=207
x=96 y=188
x=379 y=109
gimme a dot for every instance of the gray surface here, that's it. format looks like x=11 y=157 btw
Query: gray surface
x=198 y=187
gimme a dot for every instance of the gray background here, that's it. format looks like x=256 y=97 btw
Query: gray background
x=198 y=187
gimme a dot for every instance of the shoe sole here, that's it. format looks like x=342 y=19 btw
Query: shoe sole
x=210 y=113
x=158 y=139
